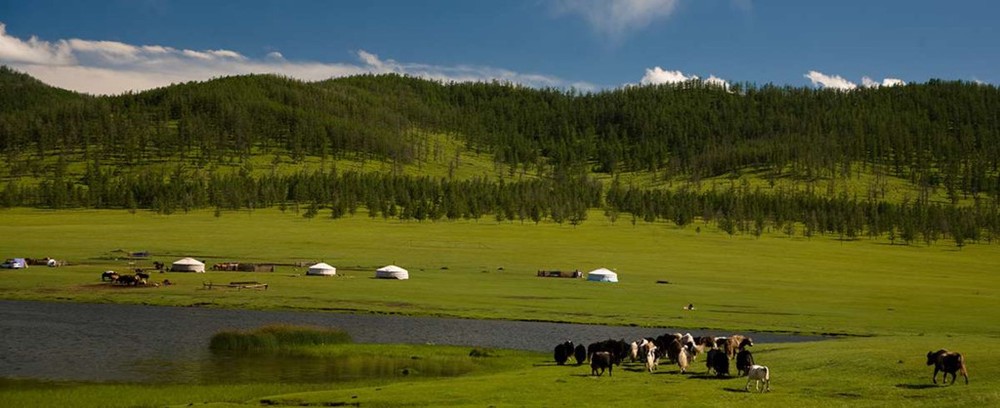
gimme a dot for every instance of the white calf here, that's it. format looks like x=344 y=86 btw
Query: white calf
x=758 y=374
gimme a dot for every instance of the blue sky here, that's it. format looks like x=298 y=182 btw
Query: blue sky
x=112 y=46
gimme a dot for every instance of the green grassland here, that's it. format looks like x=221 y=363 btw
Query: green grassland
x=487 y=270
x=909 y=299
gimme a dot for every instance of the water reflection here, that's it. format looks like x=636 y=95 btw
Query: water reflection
x=271 y=368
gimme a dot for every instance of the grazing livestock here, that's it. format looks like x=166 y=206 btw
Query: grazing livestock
x=633 y=353
x=703 y=344
x=948 y=362
x=677 y=345
x=720 y=342
x=126 y=280
x=682 y=360
x=141 y=275
x=650 y=356
x=580 y=353
x=599 y=361
x=744 y=359
x=759 y=374
x=109 y=275
x=735 y=343
x=563 y=351
x=718 y=362
x=618 y=349
x=688 y=341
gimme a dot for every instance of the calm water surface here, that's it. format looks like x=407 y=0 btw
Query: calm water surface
x=109 y=342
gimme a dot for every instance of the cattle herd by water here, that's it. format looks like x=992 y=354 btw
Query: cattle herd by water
x=685 y=349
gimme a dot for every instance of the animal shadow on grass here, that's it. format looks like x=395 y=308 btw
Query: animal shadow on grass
x=739 y=390
x=916 y=386
x=708 y=377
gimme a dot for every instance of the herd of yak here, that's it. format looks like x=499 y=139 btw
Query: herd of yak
x=682 y=349
x=139 y=278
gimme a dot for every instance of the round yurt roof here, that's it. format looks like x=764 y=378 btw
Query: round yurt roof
x=188 y=261
x=603 y=274
x=322 y=266
x=321 y=269
x=392 y=272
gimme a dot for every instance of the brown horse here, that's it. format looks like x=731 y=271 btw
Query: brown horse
x=949 y=363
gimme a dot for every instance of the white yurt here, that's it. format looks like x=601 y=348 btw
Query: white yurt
x=321 y=269
x=392 y=272
x=602 y=275
x=187 y=265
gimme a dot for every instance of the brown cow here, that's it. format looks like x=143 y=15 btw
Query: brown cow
x=949 y=363
x=735 y=343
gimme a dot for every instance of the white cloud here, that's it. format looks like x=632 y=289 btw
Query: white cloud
x=33 y=51
x=867 y=82
x=197 y=54
x=227 y=54
x=614 y=18
x=657 y=76
x=714 y=80
x=110 y=67
x=893 y=82
x=830 y=81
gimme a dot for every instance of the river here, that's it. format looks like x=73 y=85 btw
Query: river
x=114 y=342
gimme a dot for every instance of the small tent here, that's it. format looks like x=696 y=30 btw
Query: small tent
x=321 y=269
x=187 y=265
x=392 y=272
x=602 y=275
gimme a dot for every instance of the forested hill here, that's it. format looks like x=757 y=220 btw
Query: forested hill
x=21 y=91
x=934 y=133
x=936 y=136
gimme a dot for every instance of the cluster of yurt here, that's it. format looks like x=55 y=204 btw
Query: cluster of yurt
x=602 y=275
x=385 y=272
x=187 y=265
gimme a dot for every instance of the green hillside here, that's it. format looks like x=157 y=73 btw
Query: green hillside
x=915 y=161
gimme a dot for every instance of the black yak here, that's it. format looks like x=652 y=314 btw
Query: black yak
x=599 y=361
x=717 y=361
x=563 y=351
x=744 y=359
x=618 y=349
x=580 y=353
